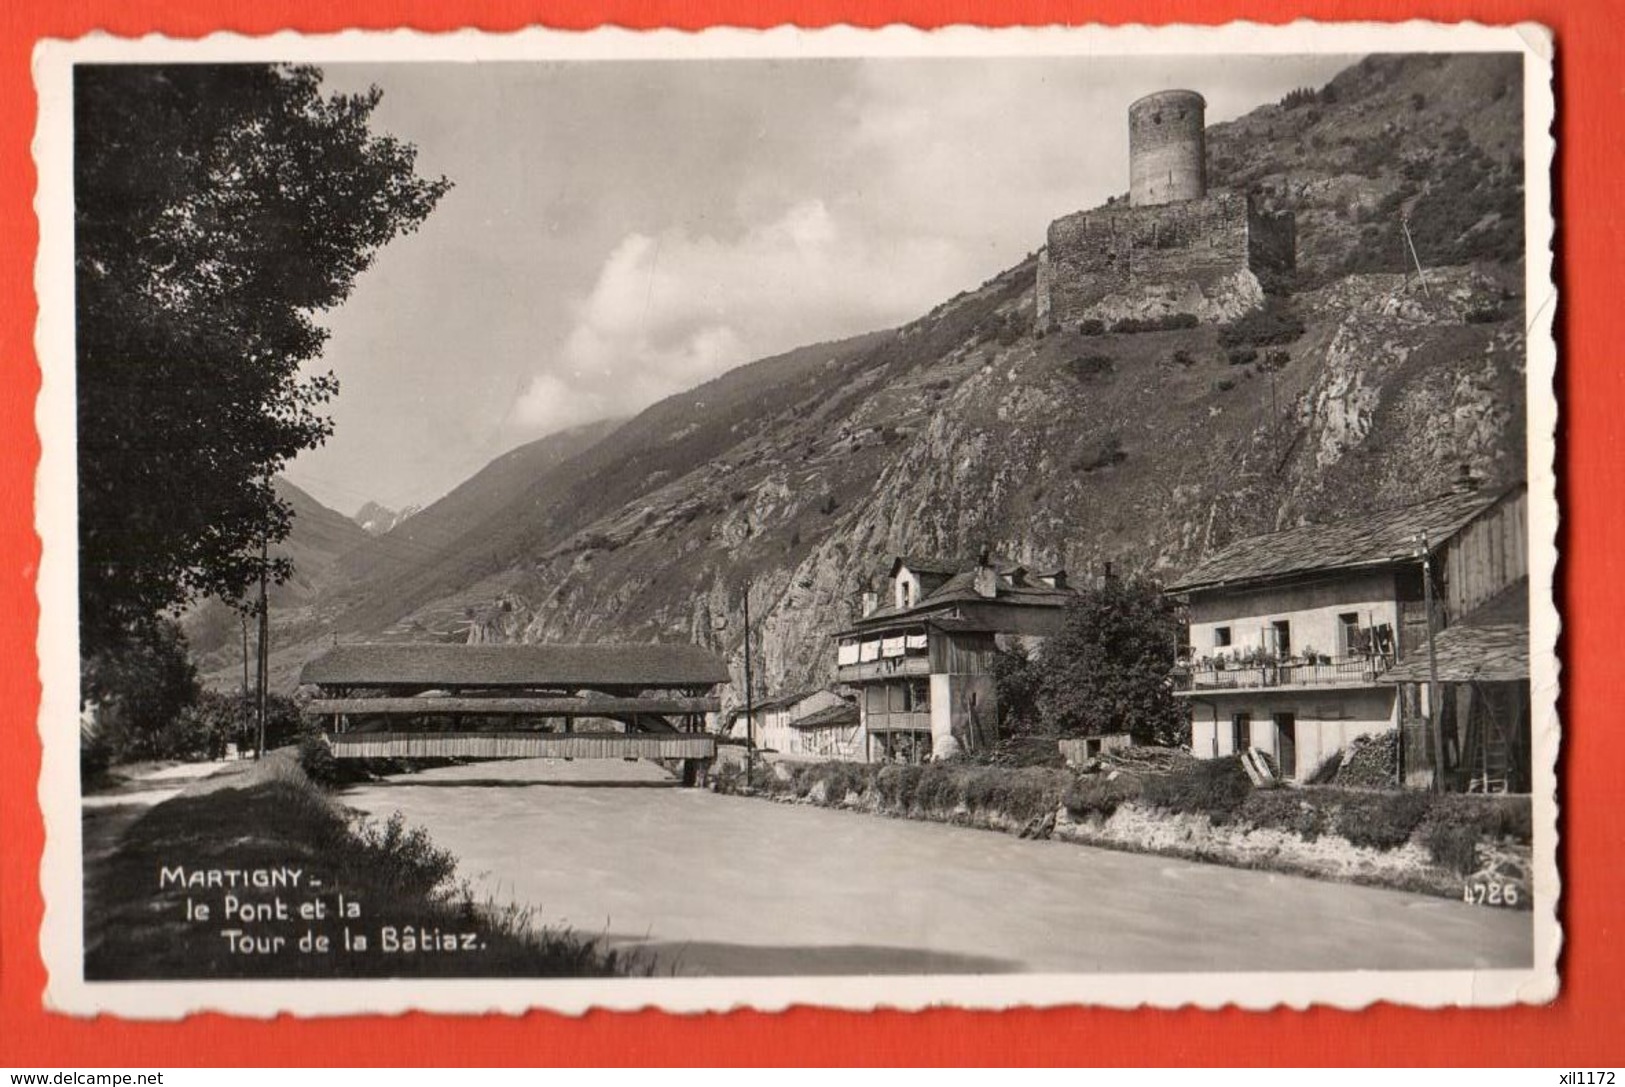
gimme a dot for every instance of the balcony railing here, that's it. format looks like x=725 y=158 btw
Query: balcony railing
x=902 y=721
x=1343 y=672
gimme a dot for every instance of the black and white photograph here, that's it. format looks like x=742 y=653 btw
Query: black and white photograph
x=864 y=518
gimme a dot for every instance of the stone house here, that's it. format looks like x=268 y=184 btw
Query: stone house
x=922 y=662
x=1295 y=636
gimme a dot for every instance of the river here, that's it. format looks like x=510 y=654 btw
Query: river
x=724 y=885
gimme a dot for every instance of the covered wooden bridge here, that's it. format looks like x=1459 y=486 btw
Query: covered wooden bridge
x=517 y=701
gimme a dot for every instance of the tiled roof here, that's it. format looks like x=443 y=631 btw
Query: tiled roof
x=1491 y=644
x=440 y=665
x=1376 y=538
x=829 y=717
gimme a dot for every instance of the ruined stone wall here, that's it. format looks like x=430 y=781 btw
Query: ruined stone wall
x=1272 y=241
x=1146 y=261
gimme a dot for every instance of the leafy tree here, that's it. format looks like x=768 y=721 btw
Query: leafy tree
x=1107 y=669
x=1017 y=680
x=141 y=687
x=218 y=209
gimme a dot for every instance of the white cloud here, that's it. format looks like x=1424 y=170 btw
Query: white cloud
x=669 y=312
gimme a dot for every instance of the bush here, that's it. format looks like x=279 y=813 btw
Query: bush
x=1493 y=817
x=1225 y=384
x=1381 y=820
x=1167 y=323
x=1091 y=326
x=1455 y=847
x=1216 y=788
x=1272 y=325
x=1290 y=810
x=317 y=761
x=406 y=860
x=1241 y=356
x=1089 y=367
x=1101 y=795
x=1183 y=357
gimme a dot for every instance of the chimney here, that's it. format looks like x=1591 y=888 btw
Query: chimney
x=987 y=578
x=1465 y=482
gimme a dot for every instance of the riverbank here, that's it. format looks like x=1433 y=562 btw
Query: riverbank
x=1473 y=848
x=256 y=872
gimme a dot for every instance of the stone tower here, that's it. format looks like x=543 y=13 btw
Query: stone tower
x=1167 y=148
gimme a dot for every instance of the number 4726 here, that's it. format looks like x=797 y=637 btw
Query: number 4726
x=1490 y=894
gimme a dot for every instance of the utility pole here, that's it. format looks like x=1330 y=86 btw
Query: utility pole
x=1405 y=226
x=750 y=709
x=264 y=651
x=243 y=616
x=1435 y=721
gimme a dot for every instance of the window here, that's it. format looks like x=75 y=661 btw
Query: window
x=1278 y=637
x=1221 y=637
x=1348 y=632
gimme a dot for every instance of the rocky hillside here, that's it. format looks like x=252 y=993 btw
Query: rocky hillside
x=794 y=477
x=1435 y=138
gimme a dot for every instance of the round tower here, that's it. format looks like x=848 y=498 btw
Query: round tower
x=1167 y=148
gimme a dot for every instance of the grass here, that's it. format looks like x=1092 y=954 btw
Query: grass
x=269 y=815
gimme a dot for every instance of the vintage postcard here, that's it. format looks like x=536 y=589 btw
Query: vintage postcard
x=853 y=518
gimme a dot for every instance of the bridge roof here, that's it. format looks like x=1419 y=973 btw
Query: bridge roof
x=521 y=666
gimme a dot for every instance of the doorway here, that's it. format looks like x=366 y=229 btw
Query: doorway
x=1286 y=744
x=1241 y=732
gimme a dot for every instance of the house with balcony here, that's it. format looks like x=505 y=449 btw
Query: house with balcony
x=921 y=654
x=1294 y=635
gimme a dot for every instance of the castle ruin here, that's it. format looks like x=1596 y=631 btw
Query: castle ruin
x=1174 y=247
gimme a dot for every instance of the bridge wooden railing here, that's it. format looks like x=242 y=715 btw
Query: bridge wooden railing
x=524 y=706
x=517 y=745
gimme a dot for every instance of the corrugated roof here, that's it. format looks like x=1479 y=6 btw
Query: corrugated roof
x=439 y=665
x=1382 y=536
x=843 y=715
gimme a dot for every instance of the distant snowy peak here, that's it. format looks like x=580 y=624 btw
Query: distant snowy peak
x=375 y=520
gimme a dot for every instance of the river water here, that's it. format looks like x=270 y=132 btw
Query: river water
x=726 y=885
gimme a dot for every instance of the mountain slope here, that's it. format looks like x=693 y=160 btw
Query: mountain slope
x=494 y=488
x=797 y=476
x=316 y=542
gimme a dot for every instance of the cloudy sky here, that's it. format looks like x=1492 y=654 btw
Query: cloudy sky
x=620 y=231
